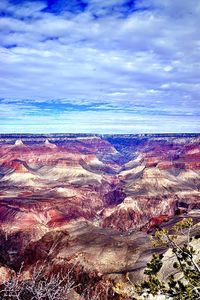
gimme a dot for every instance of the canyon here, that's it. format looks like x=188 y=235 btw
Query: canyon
x=93 y=200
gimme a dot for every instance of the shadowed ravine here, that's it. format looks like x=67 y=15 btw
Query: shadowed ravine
x=93 y=200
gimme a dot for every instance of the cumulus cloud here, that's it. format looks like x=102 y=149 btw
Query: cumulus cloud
x=137 y=59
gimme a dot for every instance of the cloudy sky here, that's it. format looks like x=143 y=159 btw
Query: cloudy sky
x=104 y=66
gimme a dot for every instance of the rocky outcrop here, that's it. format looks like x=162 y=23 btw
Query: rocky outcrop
x=118 y=182
x=91 y=201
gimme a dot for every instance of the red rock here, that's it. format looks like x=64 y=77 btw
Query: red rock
x=38 y=199
x=156 y=221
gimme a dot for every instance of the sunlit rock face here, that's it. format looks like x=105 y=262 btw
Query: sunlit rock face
x=97 y=196
x=119 y=182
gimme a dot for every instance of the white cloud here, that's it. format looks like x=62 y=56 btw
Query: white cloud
x=148 y=59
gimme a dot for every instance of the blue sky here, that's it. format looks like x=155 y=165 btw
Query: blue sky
x=100 y=66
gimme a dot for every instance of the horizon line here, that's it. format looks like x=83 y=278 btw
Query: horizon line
x=99 y=134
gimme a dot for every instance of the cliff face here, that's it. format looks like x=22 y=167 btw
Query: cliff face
x=119 y=183
x=103 y=193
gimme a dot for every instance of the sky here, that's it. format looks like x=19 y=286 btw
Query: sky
x=99 y=66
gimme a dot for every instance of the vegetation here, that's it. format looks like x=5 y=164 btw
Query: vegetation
x=59 y=285
x=183 y=282
x=39 y=287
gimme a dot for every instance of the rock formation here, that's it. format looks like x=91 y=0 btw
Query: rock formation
x=92 y=200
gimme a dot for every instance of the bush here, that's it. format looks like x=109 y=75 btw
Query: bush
x=39 y=287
